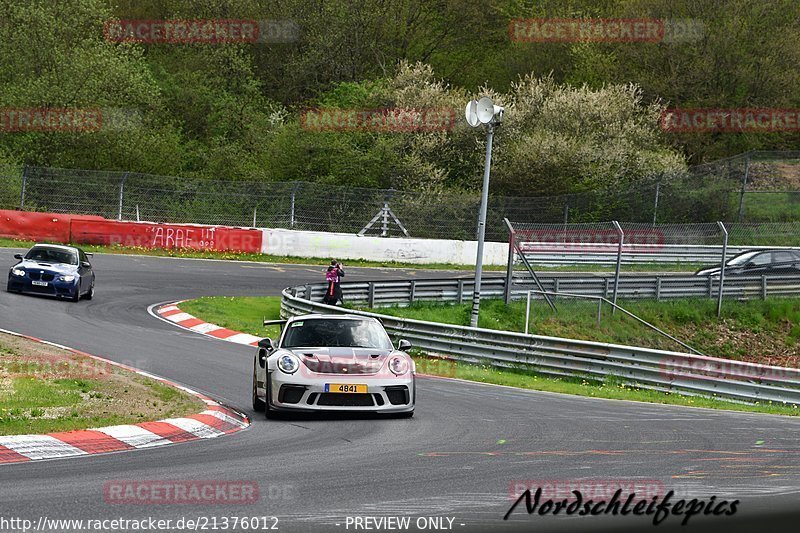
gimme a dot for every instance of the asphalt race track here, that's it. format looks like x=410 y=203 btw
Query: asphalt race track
x=467 y=444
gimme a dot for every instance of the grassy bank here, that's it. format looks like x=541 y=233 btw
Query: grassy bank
x=246 y=314
x=44 y=389
x=287 y=259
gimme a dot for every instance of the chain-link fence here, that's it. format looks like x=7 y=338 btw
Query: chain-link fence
x=752 y=187
x=716 y=251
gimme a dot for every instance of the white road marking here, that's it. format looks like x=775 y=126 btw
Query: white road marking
x=39 y=446
x=134 y=436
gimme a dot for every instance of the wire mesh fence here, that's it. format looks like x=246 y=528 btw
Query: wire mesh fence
x=752 y=188
x=709 y=251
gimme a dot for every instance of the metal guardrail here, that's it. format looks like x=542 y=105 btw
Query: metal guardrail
x=633 y=366
x=665 y=287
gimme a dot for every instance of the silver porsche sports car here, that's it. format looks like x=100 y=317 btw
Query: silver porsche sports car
x=333 y=363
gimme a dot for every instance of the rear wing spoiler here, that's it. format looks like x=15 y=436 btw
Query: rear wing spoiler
x=274 y=322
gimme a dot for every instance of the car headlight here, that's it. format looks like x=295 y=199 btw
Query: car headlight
x=398 y=365
x=66 y=278
x=18 y=272
x=288 y=364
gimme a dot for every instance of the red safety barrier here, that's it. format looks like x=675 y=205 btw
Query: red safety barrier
x=51 y=227
x=166 y=236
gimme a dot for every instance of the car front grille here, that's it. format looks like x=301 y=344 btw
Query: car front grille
x=398 y=395
x=43 y=290
x=346 y=400
x=36 y=276
x=291 y=393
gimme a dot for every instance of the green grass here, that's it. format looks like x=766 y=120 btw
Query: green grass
x=246 y=314
x=287 y=259
x=34 y=401
x=611 y=389
x=764 y=331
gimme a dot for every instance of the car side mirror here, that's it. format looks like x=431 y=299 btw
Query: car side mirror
x=403 y=345
x=89 y=254
x=267 y=344
x=86 y=264
x=18 y=256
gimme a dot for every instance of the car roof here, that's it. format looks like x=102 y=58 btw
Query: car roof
x=56 y=246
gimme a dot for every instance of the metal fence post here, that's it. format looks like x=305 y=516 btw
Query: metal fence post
x=722 y=266
x=763 y=287
x=527 y=311
x=744 y=185
x=255 y=212
x=412 y=293
x=460 y=291
x=121 y=194
x=510 y=265
x=291 y=214
x=621 y=235
x=566 y=213
x=655 y=204
x=371 y=295
x=24 y=185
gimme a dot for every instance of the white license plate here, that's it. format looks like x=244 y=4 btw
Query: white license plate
x=40 y=283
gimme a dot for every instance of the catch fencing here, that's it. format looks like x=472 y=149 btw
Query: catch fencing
x=552 y=356
x=752 y=187
x=614 y=246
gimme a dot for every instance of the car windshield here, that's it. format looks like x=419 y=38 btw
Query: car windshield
x=335 y=332
x=52 y=255
x=742 y=259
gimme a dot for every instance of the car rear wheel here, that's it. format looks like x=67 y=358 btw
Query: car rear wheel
x=258 y=403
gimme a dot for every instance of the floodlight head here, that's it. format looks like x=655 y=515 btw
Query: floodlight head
x=498 y=113
x=471 y=112
x=485 y=110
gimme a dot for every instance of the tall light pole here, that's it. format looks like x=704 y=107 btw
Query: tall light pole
x=485 y=112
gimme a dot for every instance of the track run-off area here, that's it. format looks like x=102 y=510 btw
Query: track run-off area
x=460 y=457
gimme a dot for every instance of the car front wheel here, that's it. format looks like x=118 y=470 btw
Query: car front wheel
x=89 y=295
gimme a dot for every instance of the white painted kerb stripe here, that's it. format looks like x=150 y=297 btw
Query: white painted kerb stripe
x=205 y=327
x=134 y=436
x=179 y=317
x=243 y=338
x=195 y=427
x=39 y=446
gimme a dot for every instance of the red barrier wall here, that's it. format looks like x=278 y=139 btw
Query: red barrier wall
x=87 y=229
x=53 y=227
x=167 y=236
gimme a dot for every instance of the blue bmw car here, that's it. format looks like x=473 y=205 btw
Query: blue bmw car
x=49 y=269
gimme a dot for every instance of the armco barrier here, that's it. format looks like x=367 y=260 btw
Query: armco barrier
x=634 y=366
x=167 y=236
